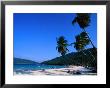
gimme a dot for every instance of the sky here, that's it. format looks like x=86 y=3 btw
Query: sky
x=35 y=34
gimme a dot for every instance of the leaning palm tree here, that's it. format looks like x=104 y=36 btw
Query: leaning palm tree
x=79 y=45
x=86 y=41
x=83 y=19
x=81 y=41
x=84 y=38
x=62 y=45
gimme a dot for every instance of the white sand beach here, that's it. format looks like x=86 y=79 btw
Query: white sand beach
x=71 y=70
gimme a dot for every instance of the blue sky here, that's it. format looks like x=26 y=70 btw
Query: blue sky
x=35 y=34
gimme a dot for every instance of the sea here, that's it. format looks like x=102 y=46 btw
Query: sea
x=35 y=67
x=27 y=68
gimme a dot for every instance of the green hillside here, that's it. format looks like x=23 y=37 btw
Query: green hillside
x=86 y=58
x=23 y=61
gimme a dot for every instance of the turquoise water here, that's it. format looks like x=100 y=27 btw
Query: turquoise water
x=35 y=67
x=27 y=68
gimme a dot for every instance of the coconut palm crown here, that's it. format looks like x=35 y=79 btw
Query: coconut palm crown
x=81 y=41
x=83 y=19
x=62 y=45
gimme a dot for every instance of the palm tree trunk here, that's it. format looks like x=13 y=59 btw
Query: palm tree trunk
x=91 y=44
x=92 y=56
x=89 y=39
x=84 y=55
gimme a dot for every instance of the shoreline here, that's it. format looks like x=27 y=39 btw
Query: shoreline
x=71 y=70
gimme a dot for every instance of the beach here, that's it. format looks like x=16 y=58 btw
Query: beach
x=71 y=70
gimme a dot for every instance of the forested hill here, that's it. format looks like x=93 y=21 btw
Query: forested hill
x=86 y=57
x=23 y=61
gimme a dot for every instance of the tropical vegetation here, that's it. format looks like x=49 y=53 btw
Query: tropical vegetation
x=84 y=56
x=62 y=45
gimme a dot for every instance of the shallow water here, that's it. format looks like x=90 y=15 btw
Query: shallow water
x=44 y=69
x=35 y=67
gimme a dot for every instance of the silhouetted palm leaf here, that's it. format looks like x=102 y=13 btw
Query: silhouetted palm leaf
x=62 y=45
x=83 y=19
x=81 y=41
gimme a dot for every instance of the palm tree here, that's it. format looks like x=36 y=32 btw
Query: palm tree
x=83 y=19
x=79 y=45
x=62 y=45
x=81 y=41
